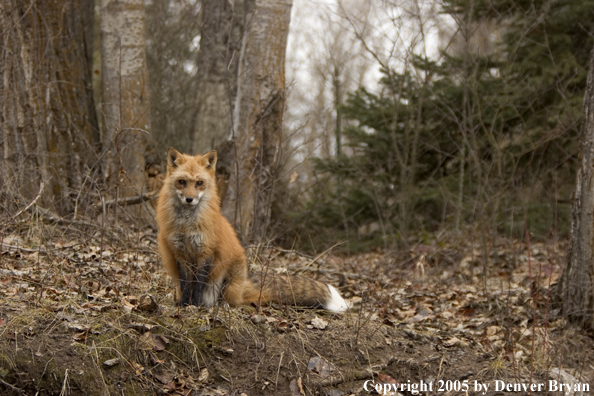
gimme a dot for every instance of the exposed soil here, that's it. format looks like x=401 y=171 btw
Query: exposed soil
x=95 y=316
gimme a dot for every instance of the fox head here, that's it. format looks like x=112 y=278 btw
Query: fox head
x=192 y=178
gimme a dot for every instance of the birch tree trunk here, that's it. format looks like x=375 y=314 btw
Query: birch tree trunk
x=221 y=30
x=576 y=285
x=126 y=99
x=258 y=117
x=48 y=126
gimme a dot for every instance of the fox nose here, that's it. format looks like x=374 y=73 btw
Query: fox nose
x=189 y=199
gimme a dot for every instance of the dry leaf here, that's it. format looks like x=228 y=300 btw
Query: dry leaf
x=147 y=304
x=128 y=307
x=320 y=366
x=137 y=368
x=384 y=378
x=319 y=323
x=454 y=341
x=142 y=327
x=296 y=387
x=77 y=327
x=112 y=362
x=203 y=376
x=159 y=342
x=80 y=337
x=165 y=379
x=145 y=341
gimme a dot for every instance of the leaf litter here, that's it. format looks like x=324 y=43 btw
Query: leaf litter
x=447 y=311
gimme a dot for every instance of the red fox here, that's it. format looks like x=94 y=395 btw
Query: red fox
x=202 y=253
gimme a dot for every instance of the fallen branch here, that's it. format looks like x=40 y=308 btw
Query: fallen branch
x=135 y=200
x=359 y=375
x=14 y=388
x=48 y=215
x=22 y=249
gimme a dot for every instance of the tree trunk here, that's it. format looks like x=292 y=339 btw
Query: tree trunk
x=221 y=30
x=48 y=127
x=576 y=285
x=126 y=98
x=258 y=116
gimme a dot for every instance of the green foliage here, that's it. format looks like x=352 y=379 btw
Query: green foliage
x=497 y=128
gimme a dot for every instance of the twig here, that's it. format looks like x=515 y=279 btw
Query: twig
x=26 y=250
x=358 y=375
x=14 y=388
x=33 y=202
x=312 y=258
x=48 y=215
x=135 y=200
x=17 y=273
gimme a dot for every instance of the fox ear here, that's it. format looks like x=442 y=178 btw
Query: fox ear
x=210 y=159
x=172 y=156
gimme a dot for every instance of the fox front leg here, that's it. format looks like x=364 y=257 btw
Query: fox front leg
x=195 y=285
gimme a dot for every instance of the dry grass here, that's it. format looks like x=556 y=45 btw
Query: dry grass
x=75 y=319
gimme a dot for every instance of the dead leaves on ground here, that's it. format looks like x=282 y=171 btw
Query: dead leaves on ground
x=457 y=297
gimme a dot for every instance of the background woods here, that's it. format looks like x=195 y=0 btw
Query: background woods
x=50 y=133
x=421 y=155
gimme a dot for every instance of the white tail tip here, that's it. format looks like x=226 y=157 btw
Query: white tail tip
x=335 y=303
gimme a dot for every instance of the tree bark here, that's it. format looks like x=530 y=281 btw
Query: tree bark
x=126 y=98
x=258 y=116
x=48 y=127
x=576 y=284
x=221 y=31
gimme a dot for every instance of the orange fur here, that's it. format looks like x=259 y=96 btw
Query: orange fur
x=201 y=251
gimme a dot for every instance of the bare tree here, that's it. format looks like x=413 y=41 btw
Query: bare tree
x=325 y=63
x=48 y=128
x=126 y=98
x=576 y=285
x=222 y=27
x=258 y=117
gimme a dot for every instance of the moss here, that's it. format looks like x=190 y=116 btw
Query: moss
x=215 y=336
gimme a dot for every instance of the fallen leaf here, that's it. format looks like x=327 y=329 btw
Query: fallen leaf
x=384 y=378
x=454 y=341
x=296 y=387
x=159 y=342
x=203 y=376
x=137 y=368
x=165 y=378
x=77 y=327
x=80 y=337
x=319 y=323
x=256 y=319
x=112 y=362
x=320 y=366
x=145 y=341
x=147 y=303
x=128 y=307
x=141 y=327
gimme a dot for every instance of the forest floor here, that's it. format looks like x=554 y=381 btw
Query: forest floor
x=91 y=313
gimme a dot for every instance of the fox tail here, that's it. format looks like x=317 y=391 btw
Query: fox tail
x=290 y=290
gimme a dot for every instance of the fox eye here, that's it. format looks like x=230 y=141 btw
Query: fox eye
x=182 y=183
x=199 y=183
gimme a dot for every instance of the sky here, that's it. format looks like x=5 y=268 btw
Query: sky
x=358 y=37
